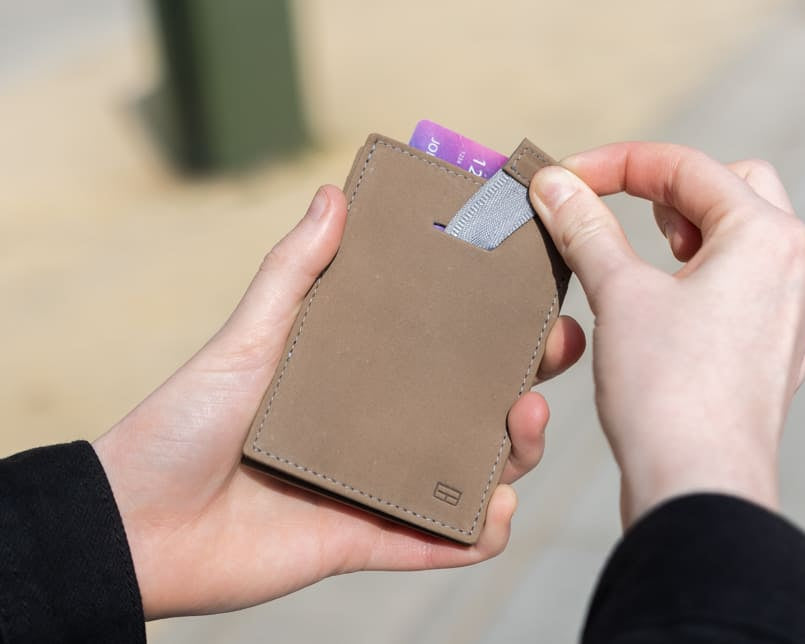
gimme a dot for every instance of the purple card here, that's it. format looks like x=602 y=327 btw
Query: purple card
x=438 y=141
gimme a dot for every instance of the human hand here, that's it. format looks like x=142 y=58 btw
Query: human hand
x=694 y=371
x=210 y=535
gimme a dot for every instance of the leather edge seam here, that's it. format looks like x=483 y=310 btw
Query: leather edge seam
x=535 y=153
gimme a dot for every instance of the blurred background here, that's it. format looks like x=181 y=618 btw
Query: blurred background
x=152 y=153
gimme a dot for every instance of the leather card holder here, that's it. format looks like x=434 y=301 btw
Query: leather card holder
x=410 y=348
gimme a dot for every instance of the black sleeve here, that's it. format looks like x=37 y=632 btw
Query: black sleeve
x=66 y=573
x=702 y=569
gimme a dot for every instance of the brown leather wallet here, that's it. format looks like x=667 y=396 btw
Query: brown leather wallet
x=410 y=348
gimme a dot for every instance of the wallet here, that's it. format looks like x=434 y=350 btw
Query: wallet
x=394 y=387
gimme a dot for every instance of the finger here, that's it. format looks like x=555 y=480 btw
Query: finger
x=585 y=232
x=762 y=177
x=527 y=421
x=563 y=347
x=683 y=237
x=267 y=310
x=699 y=187
x=497 y=528
x=399 y=548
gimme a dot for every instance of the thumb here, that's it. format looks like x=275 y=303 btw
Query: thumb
x=586 y=233
x=264 y=316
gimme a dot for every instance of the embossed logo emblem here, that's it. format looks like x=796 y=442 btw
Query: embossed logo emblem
x=448 y=494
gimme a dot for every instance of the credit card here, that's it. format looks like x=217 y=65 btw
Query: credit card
x=447 y=145
x=498 y=208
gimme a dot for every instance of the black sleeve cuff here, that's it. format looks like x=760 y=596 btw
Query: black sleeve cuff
x=703 y=568
x=67 y=573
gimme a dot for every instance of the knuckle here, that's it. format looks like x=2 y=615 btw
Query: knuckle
x=684 y=162
x=579 y=230
x=761 y=168
x=277 y=259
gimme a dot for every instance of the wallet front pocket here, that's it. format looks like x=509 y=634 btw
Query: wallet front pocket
x=408 y=352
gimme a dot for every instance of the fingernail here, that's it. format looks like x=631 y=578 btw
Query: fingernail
x=668 y=230
x=319 y=205
x=551 y=187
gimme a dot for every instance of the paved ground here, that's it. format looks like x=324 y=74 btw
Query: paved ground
x=134 y=267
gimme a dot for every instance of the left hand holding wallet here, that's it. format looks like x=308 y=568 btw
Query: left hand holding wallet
x=208 y=534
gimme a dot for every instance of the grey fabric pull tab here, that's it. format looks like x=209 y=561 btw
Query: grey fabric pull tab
x=501 y=205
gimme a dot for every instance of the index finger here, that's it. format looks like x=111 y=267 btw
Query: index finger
x=699 y=187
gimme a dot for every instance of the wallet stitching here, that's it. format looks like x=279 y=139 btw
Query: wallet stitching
x=325 y=477
x=526 y=150
x=539 y=343
x=397 y=148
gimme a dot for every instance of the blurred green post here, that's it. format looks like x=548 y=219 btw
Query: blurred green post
x=230 y=94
